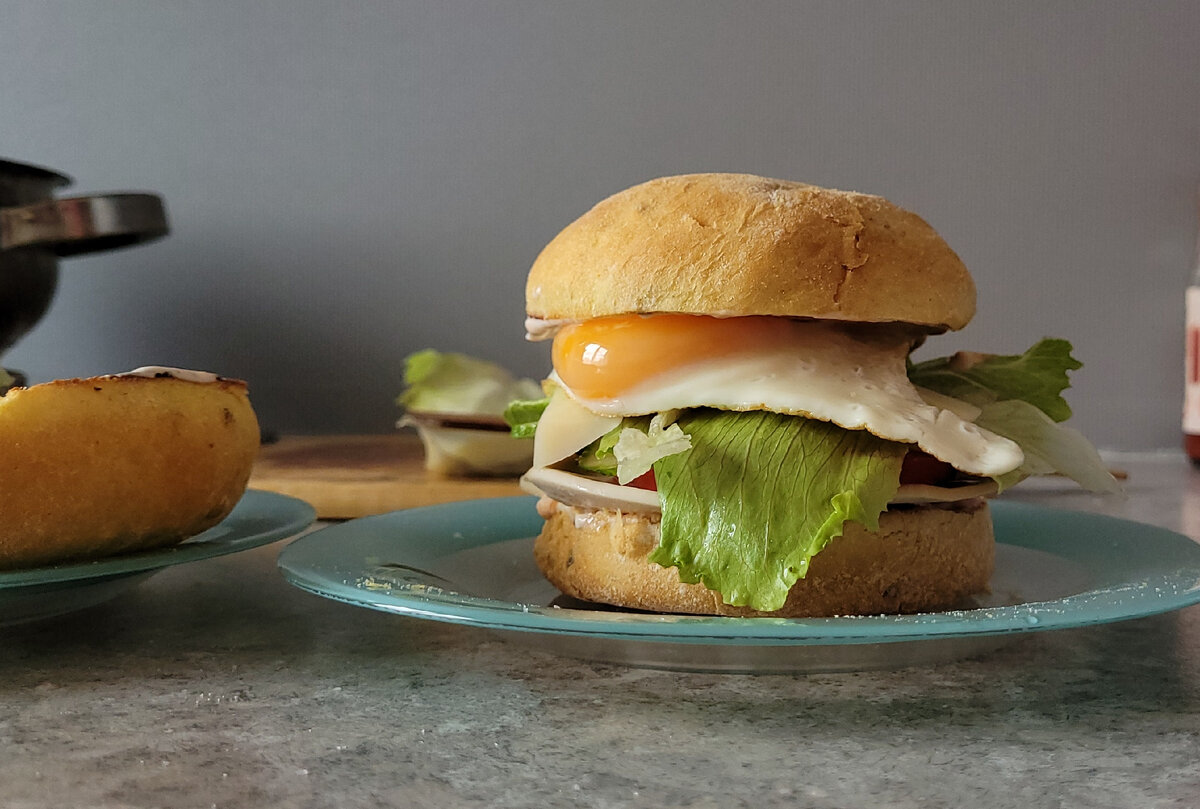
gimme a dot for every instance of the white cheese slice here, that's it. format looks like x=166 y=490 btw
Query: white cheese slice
x=565 y=428
x=577 y=490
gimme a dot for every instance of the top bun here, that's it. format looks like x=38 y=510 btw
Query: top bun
x=736 y=244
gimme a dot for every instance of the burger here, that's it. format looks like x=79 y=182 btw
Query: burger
x=734 y=424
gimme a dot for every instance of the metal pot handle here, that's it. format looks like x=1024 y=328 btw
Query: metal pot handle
x=74 y=225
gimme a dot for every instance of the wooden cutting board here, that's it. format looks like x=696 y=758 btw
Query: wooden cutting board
x=348 y=476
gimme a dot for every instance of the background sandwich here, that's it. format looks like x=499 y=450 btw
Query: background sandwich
x=734 y=426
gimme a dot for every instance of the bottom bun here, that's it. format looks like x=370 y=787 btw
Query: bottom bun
x=922 y=558
x=101 y=466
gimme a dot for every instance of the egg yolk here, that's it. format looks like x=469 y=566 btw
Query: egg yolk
x=604 y=357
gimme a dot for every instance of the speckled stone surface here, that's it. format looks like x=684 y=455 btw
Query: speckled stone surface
x=216 y=684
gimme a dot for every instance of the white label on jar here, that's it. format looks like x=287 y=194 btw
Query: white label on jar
x=1191 y=390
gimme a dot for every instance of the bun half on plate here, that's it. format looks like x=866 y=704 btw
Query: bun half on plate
x=734 y=425
x=113 y=464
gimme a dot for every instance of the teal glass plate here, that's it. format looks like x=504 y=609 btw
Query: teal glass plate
x=471 y=563
x=34 y=593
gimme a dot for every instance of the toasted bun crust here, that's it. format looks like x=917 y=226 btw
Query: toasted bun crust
x=95 y=467
x=921 y=559
x=737 y=244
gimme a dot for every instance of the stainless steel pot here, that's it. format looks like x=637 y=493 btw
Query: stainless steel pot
x=36 y=230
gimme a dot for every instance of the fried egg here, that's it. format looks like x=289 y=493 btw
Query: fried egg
x=852 y=375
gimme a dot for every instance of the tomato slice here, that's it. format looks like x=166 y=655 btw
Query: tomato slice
x=645 y=481
x=921 y=468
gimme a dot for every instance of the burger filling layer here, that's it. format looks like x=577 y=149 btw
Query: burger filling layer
x=758 y=438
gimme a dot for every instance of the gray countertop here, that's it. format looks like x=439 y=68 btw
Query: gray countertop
x=216 y=684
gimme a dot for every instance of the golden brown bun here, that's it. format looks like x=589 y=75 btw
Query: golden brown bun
x=921 y=559
x=737 y=244
x=95 y=467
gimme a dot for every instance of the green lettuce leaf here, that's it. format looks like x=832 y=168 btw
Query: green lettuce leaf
x=759 y=493
x=630 y=449
x=599 y=457
x=637 y=451
x=1020 y=398
x=440 y=382
x=1049 y=448
x=522 y=416
x=1039 y=376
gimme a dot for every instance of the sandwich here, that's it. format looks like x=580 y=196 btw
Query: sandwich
x=121 y=463
x=734 y=424
x=456 y=404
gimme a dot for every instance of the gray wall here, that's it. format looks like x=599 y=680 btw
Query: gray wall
x=351 y=181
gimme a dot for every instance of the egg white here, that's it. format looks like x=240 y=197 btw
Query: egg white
x=827 y=372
